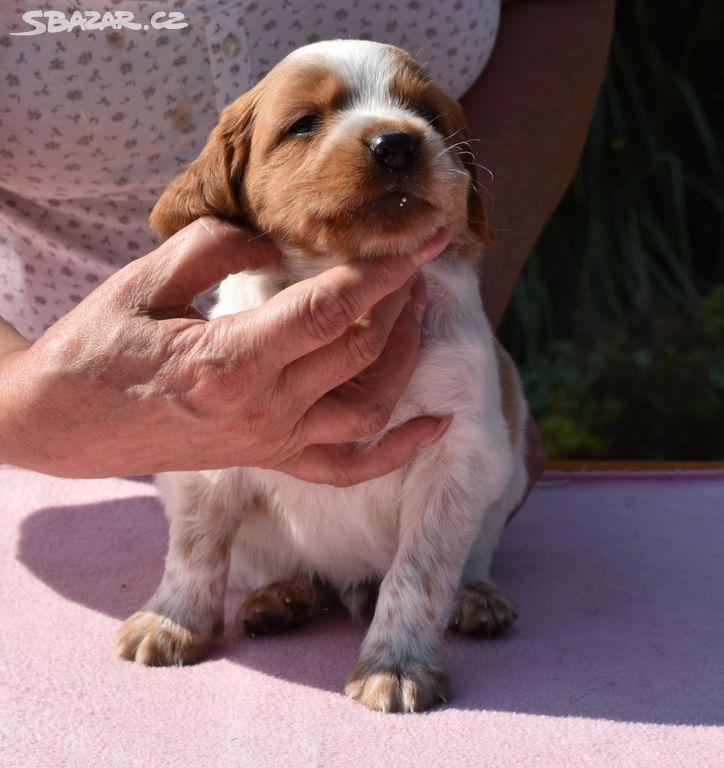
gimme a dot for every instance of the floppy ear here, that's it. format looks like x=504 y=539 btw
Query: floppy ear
x=212 y=184
x=477 y=212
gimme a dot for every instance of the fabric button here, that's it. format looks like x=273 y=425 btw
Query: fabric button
x=230 y=45
x=229 y=53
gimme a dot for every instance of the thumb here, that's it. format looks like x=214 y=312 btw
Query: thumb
x=196 y=259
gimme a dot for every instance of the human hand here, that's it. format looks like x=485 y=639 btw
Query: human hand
x=134 y=380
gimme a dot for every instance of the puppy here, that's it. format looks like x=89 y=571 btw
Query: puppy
x=348 y=149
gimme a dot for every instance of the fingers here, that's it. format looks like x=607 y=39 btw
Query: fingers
x=195 y=260
x=344 y=465
x=315 y=312
x=391 y=328
x=362 y=406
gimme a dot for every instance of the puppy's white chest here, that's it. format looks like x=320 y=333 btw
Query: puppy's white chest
x=343 y=535
x=351 y=535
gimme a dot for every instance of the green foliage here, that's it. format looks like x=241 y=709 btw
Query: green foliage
x=652 y=390
x=618 y=319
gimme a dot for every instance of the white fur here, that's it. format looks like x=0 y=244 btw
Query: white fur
x=365 y=65
x=349 y=535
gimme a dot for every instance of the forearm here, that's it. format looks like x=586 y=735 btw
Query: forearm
x=531 y=109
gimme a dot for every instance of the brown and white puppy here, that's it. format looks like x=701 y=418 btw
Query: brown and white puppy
x=348 y=149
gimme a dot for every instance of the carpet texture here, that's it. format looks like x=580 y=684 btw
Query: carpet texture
x=617 y=658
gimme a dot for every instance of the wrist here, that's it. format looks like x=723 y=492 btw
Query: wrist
x=12 y=405
x=39 y=413
x=11 y=340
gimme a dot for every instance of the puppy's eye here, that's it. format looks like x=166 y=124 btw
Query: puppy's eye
x=305 y=126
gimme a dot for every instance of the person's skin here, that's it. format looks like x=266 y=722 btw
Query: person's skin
x=134 y=381
x=530 y=109
x=529 y=112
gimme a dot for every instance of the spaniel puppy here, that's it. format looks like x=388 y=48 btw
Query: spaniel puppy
x=348 y=149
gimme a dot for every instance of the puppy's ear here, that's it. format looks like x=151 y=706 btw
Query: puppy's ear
x=212 y=184
x=460 y=135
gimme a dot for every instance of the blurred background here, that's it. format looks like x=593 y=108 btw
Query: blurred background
x=618 y=320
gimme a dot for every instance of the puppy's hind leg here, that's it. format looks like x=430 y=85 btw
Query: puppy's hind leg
x=281 y=605
x=180 y=622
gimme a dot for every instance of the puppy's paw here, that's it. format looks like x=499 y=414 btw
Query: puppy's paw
x=277 y=607
x=410 y=687
x=482 y=610
x=158 y=641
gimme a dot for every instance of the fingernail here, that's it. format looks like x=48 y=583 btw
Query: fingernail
x=441 y=429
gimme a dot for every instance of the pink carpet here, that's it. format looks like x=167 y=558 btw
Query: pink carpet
x=617 y=659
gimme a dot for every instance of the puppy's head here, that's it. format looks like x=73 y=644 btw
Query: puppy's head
x=347 y=148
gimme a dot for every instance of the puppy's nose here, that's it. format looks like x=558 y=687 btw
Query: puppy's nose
x=396 y=151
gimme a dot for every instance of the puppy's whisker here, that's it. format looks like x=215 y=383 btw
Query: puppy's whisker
x=445 y=151
x=456 y=147
x=458 y=143
x=467 y=153
x=430 y=122
x=258 y=236
x=487 y=170
x=453 y=134
x=477 y=187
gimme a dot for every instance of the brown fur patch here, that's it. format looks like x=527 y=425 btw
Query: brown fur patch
x=510 y=392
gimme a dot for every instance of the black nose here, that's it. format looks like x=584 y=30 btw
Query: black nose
x=396 y=151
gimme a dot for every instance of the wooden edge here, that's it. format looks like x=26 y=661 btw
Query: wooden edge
x=632 y=466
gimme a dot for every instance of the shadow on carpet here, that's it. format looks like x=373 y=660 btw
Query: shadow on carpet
x=620 y=586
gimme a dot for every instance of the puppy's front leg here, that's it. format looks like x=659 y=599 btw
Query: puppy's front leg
x=179 y=623
x=400 y=668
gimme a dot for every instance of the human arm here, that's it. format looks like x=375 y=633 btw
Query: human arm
x=530 y=110
x=132 y=381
